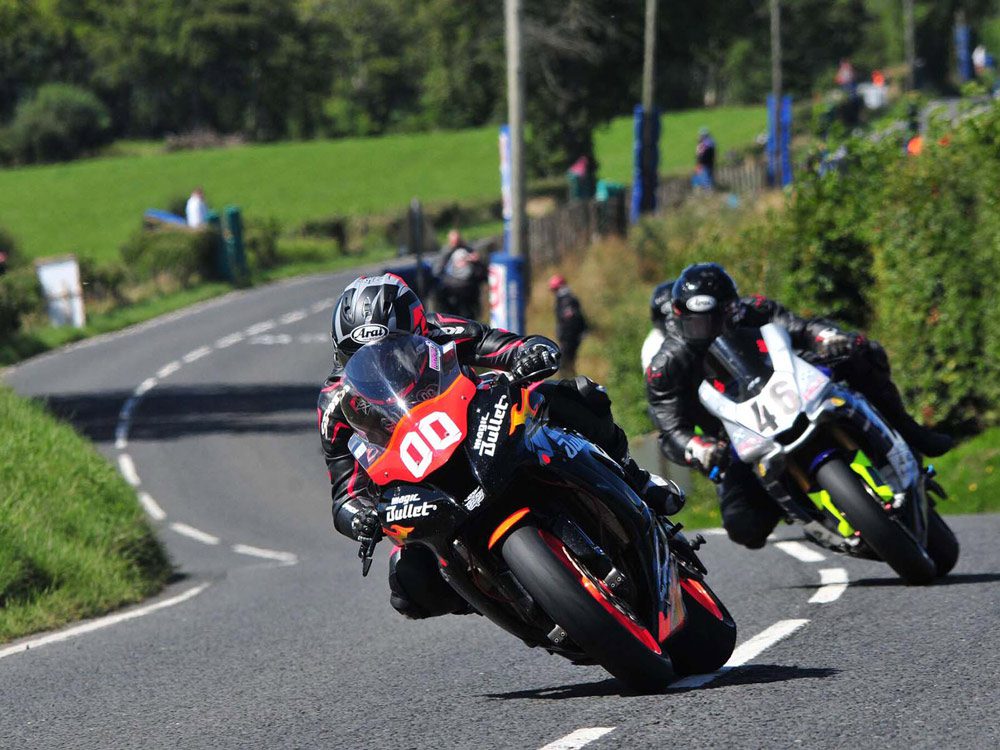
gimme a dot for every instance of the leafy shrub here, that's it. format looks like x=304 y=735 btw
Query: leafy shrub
x=103 y=281
x=180 y=253
x=60 y=122
x=260 y=241
x=20 y=295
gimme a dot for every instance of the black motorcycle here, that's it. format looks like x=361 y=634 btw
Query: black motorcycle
x=531 y=524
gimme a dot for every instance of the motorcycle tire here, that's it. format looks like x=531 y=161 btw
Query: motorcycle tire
x=708 y=637
x=942 y=545
x=882 y=533
x=577 y=603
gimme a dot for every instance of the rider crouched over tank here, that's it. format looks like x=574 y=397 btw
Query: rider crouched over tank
x=705 y=303
x=372 y=307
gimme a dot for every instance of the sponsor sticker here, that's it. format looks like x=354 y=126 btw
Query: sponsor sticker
x=701 y=303
x=474 y=499
x=488 y=430
x=369 y=332
x=434 y=357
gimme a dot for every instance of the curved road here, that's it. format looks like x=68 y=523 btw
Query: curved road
x=270 y=637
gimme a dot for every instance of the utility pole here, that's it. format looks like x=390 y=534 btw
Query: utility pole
x=649 y=108
x=776 y=82
x=515 y=119
x=910 y=41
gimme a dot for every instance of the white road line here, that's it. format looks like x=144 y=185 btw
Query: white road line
x=153 y=510
x=744 y=653
x=833 y=583
x=718 y=531
x=318 y=307
x=315 y=338
x=227 y=341
x=193 y=533
x=127 y=468
x=168 y=369
x=127 y=408
x=265 y=325
x=103 y=622
x=121 y=436
x=197 y=354
x=579 y=738
x=144 y=387
x=272 y=338
x=800 y=551
x=287 y=558
x=293 y=317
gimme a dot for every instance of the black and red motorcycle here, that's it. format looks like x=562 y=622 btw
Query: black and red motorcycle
x=531 y=524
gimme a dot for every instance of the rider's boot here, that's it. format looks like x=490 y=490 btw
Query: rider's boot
x=663 y=496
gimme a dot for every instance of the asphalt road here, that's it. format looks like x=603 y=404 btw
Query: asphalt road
x=281 y=643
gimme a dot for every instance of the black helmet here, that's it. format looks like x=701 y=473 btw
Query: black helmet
x=369 y=308
x=704 y=297
x=659 y=304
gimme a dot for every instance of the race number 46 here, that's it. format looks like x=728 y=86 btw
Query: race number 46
x=781 y=396
x=435 y=432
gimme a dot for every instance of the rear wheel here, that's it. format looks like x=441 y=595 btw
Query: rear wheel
x=882 y=533
x=941 y=543
x=592 y=616
x=708 y=637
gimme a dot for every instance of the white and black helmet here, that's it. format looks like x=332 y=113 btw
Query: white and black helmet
x=369 y=308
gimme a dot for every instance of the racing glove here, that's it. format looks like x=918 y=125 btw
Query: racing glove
x=831 y=343
x=536 y=362
x=706 y=454
x=365 y=525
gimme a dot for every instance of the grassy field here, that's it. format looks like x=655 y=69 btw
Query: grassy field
x=89 y=207
x=73 y=540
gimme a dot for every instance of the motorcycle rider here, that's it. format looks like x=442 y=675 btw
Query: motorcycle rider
x=367 y=310
x=661 y=316
x=704 y=303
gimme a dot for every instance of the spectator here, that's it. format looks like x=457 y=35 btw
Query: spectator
x=979 y=60
x=196 y=210
x=570 y=324
x=845 y=76
x=704 y=156
x=460 y=273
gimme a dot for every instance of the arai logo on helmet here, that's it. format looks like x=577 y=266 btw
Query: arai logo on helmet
x=368 y=332
x=701 y=303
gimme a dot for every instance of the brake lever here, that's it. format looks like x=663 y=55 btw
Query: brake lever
x=366 y=552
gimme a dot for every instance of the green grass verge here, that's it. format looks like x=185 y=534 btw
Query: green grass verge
x=89 y=207
x=73 y=540
x=971 y=475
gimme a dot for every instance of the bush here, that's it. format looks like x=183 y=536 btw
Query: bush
x=20 y=295
x=104 y=281
x=260 y=241
x=183 y=254
x=61 y=122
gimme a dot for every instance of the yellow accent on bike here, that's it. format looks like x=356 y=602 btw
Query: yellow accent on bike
x=862 y=466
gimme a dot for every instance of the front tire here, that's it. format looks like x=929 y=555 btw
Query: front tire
x=942 y=545
x=708 y=637
x=548 y=572
x=883 y=534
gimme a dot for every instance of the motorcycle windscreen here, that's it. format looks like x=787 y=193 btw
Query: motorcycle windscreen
x=740 y=362
x=408 y=401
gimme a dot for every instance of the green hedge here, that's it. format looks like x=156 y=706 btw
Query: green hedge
x=181 y=253
x=60 y=122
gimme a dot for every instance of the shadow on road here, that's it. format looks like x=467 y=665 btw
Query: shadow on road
x=955 y=579
x=170 y=412
x=755 y=674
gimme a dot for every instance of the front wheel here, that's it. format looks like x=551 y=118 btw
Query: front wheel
x=941 y=543
x=578 y=602
x=881 y=532
x=708 y=637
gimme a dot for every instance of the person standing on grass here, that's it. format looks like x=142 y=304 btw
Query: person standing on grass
x=704 y=156
x=570 y=323
x=196 y=210
x=460 y=273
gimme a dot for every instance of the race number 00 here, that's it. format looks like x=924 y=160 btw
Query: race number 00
x=435 y=432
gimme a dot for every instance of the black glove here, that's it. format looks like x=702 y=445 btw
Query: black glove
x=832 y=344
x=536 y=362
x=706 y=454
x=365 y=525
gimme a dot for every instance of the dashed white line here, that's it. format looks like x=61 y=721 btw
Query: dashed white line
x=579 y=738
x=253 y=330
x=272 y=338
x=287 y=558
x=318 y=307
x=196 y=354
x=800 y=551
x=168 y=369
x=121 y=436
x=227 y=341
x=103 y=622
x=153 y=510
x=744 y=653
x=145 y=386
x=127 y=408
x=127 y=468
x=293 y=317
x=833 y=583
x=192 y=533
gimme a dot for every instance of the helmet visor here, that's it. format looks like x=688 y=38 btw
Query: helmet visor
x=701 y=327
